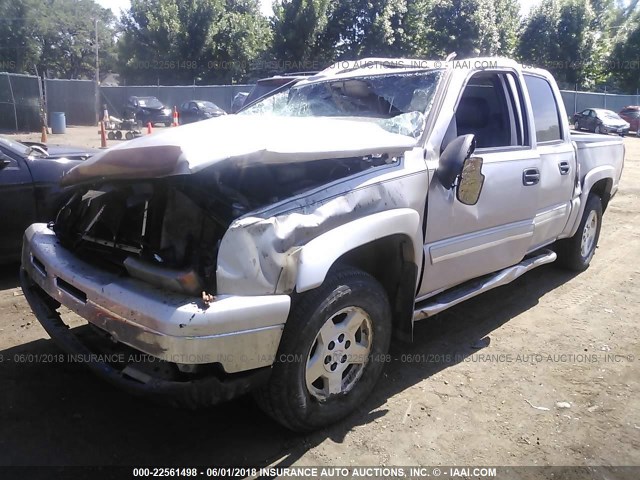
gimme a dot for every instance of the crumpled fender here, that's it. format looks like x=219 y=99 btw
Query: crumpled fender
x=316 y=258
x=262 y=253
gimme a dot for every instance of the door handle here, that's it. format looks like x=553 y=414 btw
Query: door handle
x=530 y=176
x=564 y=167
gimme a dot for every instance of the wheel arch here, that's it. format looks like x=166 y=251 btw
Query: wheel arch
x=602 y=188
x=386 y=245
x=598 y=181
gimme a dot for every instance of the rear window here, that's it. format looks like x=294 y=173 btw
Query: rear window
x=545 y=109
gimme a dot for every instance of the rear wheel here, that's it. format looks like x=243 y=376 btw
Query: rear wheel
x=331 y=354
x=597 y=129
x=576 y=125
x=576 y=252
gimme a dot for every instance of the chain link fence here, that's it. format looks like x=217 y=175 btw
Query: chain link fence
x=76 y=98
x=578 y=101
x=20 y=102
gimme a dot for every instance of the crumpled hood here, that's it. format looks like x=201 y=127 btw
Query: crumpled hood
x=259 y=139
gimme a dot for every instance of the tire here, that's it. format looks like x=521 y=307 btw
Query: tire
x=111 y=136
x=575 y=253
x=597 y=129
x=576 y=126
x=167 y=124
x=316 y=329
x=128 y=136
x=118 y=135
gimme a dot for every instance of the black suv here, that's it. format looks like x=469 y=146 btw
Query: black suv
x=148 y=109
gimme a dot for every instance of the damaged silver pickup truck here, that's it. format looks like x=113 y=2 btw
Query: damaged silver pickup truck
x=278 y=250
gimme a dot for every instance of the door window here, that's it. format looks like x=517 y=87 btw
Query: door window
x=490 y=109
x=545 y=109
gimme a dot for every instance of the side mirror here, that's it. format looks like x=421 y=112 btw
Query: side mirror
x=471 y=181
x=453 y=158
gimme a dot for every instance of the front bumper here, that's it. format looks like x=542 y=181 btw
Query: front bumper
x=238 y=333
x=616 y=130
x=187 y=392
x=160 y=118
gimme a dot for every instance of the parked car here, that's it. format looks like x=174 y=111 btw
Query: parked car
x=599 y=120
x=631 y=114
x=29 y=190
x=196 y=110
x=148 y=109
x=369 y=197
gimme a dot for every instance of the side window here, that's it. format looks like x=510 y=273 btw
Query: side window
x=490 y=110
x=12 y=163
x=545 y=109
x=585 y=112
x=592 y=113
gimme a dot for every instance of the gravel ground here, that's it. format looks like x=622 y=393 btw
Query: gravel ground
x=545 y=371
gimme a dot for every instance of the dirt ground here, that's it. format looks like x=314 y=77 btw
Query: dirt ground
x=483 y=383
x=87 y=137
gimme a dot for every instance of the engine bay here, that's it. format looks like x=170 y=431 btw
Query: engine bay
x=167 y=231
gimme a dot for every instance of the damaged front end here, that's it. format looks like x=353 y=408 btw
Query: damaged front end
x=167 y=231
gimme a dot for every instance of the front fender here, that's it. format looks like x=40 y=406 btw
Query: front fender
x=316 y=258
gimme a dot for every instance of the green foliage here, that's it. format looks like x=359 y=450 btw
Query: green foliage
x=561 y=37
x=55 y=37
x=587 y=43
x=174 y=41
x=624 y=62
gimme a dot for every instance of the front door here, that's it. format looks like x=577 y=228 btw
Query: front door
x=463 y=242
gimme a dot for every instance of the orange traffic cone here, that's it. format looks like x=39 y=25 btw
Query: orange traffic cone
x=175 y=117
x=43 y=137
x=149 y=128
x=103 y=136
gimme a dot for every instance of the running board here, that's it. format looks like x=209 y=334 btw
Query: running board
x=470 y=289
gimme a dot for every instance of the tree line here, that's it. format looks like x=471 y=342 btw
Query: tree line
x=584 y=43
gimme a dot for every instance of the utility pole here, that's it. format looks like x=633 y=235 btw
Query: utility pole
x=97 y=55
x=97 y=84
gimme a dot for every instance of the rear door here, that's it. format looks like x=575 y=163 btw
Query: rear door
x=557 y=160
x=463 y=241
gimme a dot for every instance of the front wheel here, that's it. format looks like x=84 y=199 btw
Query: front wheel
x=575 y=253
x=332 y=352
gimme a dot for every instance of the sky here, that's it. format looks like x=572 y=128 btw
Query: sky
x=117 y=5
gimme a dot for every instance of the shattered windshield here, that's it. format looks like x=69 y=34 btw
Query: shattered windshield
x=398 y=102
